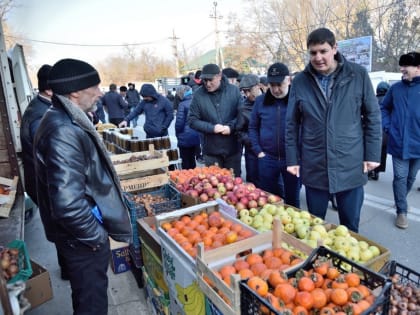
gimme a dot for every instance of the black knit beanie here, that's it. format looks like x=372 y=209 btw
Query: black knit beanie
x=42 y=75
x=71 y=75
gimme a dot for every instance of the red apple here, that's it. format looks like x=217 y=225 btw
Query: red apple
x=262 y=201
x=199 y=187
x=192 y=193
x=240 y=206
x=240 y=192
x=250 y=186
x=252 y=195
x=204 y=197
x=244 y=200
x=237 y=180
x=252 y=204
x=229 y=185
x=210 y=192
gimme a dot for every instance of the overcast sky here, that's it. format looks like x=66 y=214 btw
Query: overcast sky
x=149 y=23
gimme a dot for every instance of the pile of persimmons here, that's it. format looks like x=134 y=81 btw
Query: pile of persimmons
x=322 y=290
x=211 y=229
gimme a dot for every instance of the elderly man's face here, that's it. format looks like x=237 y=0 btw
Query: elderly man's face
x=410 y=72
x=252 y=93
x=280 y=90
x=87 y=98
x=212 y=84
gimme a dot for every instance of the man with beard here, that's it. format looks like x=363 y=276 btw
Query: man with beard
x=79 y=195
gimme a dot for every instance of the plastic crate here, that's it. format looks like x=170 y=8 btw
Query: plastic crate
x=24 y=262
x=251 y=303
x=406 y=274
x=167 y=191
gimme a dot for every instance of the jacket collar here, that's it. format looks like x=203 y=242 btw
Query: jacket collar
x=269 y=98
x=80 y=118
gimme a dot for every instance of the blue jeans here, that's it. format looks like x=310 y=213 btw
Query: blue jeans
x=251 y=166
x=274 y=178
x=349 y=204
x=405 y=172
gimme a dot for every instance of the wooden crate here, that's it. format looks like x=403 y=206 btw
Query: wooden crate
x=6 y=201
x=158 y=160
x=143 y=180
x=375 y=263
x=215 y=259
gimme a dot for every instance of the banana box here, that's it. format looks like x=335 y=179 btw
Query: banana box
x=154 y=268
x=158 y=302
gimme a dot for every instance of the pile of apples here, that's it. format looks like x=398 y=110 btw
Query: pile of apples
x=311 y=230
x=232 y=190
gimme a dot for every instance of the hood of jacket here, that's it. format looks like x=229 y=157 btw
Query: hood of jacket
x=149 y=90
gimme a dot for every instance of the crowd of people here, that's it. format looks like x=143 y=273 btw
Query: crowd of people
x=323 y=128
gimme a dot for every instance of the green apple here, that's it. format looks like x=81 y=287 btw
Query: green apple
x=267 y=217
x=314 y=235
x=363 y=245
x=253 y=212
x=302 y=231
x=297 y=221
x=271 y=209
x=341 y=230
x=244 y=212
x=353 y=242
x=267 y=225
x=375 y=250
x=331 y=233
x=285 y=218
x=289 y=228
x=366 y=255
x=328 y=241
x=321 y=230
x=305 y=214
x=307 y=222
x=290 y=210
x=246 y=219
x=317 y=220
x=263 y=211
x=341 y=243
x=256 y=224
x=353 y=254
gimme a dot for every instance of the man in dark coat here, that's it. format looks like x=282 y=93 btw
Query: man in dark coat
x=249 y=86
x=157 y=109
x=133 y=99
x=115 y=105
x=333 y=129
x=213 y=111
x=80 y=198
x=30 y=122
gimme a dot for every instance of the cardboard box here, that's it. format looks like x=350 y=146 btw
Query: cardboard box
x=38 y=287
x=159 y=302
x=7 y=200
x=120 y=256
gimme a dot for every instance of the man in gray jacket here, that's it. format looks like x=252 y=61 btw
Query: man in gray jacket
x=333 y=135
x=213 y=112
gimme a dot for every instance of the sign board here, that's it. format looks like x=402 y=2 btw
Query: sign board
x=357 y=50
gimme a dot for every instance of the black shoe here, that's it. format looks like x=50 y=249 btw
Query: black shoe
x=333 y=203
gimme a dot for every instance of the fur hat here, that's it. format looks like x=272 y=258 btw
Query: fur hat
x=42 y=75
x=71 y=75
x=410 y=59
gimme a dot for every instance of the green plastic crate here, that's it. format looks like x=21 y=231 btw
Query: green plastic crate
x=24 y=263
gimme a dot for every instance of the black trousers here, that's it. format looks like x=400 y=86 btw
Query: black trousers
x=188 y=157
x=86 y=269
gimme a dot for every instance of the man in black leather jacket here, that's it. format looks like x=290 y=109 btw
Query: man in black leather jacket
x=80 y=199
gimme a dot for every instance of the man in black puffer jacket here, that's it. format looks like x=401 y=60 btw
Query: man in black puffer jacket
x=79 y=194
x=213 y=111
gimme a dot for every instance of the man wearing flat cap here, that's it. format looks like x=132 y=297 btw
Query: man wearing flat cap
x=400 y=120
x=79 y=195
x=266 y=131
x=213 y=112
x=249 y=86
